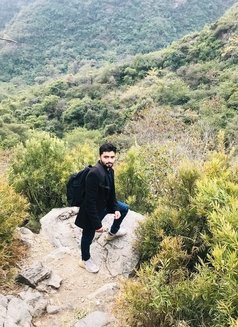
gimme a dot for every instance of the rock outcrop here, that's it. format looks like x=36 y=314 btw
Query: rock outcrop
x=56 y=292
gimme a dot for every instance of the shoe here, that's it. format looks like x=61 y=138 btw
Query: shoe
x=120 y=233
x=89 y=265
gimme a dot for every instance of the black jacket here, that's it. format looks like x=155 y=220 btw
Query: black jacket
x=100 y=195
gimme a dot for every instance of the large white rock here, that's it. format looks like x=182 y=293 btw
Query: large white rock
x=3 y=315
x=58 y=226
x=18 y=313
x=115 y=258
x=35 y=300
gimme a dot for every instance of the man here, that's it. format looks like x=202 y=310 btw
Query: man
x=100 y=199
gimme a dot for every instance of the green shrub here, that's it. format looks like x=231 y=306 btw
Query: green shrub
x=131 y=181
x=190 y=244
x=11 y=134
x=80 y=136
x=82 y=155
x=39 y=170
x=151 y=300
x=175 y=214
x=141 y=174
x=233 y=101
x=84 y=113
x=13 y=211
x=172 y=90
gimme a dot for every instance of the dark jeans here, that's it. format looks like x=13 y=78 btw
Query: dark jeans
x=88 y=233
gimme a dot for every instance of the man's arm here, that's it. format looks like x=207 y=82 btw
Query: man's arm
x=92 y=185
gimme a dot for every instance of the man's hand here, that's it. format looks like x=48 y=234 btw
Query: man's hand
x=100 y=230
x=117 y=214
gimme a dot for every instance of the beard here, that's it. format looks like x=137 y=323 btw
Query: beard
x=108 y=164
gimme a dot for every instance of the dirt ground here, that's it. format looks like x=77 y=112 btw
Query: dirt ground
x=77 y=285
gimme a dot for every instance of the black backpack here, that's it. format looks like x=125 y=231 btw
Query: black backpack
x=75 y=187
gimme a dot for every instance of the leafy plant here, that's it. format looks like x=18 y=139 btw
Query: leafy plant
x=13 y=211
x=131 y=183
x=39 y=170
x=189 y=244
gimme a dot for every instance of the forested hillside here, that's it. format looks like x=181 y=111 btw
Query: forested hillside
x=194 y=81
x=56 y=37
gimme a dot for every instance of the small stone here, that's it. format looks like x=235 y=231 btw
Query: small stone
x=53 y=309
x=95 y=319
x=31 y=276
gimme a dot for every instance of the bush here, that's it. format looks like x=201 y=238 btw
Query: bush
x=151 y=300
x=141 y=174
x=80 y=136
x=175 y=214
x=190 y=244
x=13 y=211
x=172 y=91
x=84 y=113
x=131 y=182
x=82 y=155
x=12 y=134
x=39 y=170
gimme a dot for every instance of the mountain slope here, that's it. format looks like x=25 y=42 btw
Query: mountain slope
x=9 y=8
x=56 y=37
x=189 y=86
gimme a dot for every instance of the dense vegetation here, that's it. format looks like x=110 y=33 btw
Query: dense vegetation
x=190 y=85
x=14 y=210
x=189 y=243
x=57 y=37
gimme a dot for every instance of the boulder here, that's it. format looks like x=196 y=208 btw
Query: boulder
x=116 y=257
x=18 y=313
x=58 y=225
x=35 y=300
x=105 y=291
x=3 y=300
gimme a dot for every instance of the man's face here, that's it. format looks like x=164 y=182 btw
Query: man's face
x=108 y=158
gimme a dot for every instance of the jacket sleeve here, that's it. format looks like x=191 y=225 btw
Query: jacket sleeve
x=92 y=185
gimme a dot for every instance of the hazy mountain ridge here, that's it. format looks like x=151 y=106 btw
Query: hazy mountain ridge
x=57 y=37
x=10 y=8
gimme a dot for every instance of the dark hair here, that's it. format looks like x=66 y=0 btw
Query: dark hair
x=107 y=147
